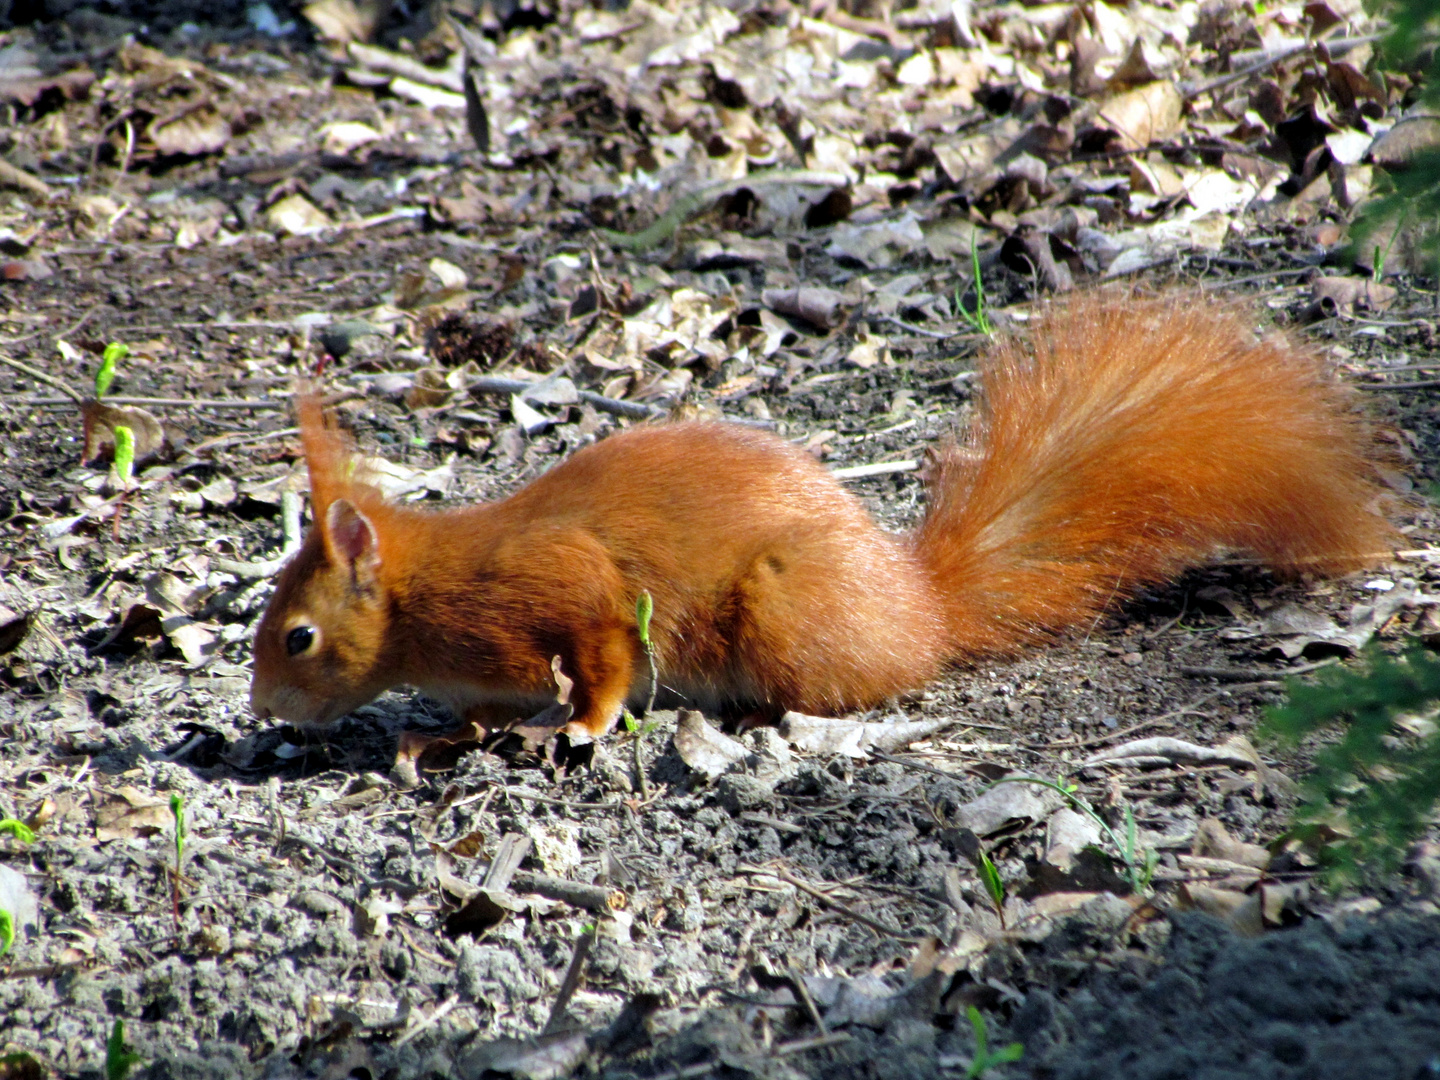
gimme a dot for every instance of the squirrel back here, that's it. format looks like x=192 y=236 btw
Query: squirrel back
x=1120 y=443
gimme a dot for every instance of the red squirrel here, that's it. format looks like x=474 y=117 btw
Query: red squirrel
x=1123 y=442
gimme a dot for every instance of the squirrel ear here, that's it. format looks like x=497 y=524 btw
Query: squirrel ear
x=350 y=538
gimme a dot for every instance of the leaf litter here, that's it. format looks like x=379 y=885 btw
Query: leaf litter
x=502 y=234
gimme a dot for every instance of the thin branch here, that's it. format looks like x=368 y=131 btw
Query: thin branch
x=48 y=380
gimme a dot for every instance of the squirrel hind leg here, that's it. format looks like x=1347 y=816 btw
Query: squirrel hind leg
x=842 y=622
x=602 y=664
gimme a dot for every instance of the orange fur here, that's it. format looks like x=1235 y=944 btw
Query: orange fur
x=1127 y=442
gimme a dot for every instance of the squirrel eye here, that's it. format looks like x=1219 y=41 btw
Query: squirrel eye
x=299 y=640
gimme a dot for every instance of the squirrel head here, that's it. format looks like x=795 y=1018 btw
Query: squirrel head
x=320 y=649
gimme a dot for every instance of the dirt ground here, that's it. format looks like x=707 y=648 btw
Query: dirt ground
x=522 y=910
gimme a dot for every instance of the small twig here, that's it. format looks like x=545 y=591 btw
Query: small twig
x=1422 y=384
x=290 y=531
x=879 y=468
x=193 y=403
x=1335 y=47
x=435 y=1016
x=48 y=380
x=14 y=176
x=797 y=984
x=571 y=982
x=239 y=440
x=1229 y=674
x=848 y=912
x=911 y=328
x=91 y=310
x=1110 y=736
x=569 y=804
x=600 y=899
x=490 y=384
x=799 y=1046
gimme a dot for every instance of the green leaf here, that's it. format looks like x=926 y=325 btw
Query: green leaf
x=119 y=1058
x=177 y=811
x=990 y=876
x=7 y=931
x=18 y=829
x=114 y=353
x=124 y=453
x=644 y=609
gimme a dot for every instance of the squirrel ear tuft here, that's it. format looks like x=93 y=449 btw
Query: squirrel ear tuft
x=351 y=541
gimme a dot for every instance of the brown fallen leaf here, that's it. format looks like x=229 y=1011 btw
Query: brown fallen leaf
x=1241 y=912
x=703 y=748
x=101 y=420
x=194 y=132
x=1144 y=116
x=1213 y=839
x=817 y=306
x=130 y=813
x=1332 y=296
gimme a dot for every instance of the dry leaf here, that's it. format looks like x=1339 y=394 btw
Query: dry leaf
x=128 y=813
x=1144 y=116
x=101 y=420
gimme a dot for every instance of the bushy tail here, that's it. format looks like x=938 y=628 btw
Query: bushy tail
x=1131 y=439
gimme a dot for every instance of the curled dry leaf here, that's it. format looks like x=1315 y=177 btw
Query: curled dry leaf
x=1163 y=750
x=1213 y=839
x=1007 y=805
x=101 y=420
x=1332 y=296
x=195 y=132
x=818 y=306
x=705 y=749
x=128 y=813
x=853 y=738
x=1144 y=116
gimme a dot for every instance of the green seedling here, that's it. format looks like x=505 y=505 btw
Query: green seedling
x=119 y=1058
x=994 y=887
x=124 y=471
x=124 y=454
x=18 y=829
x=7 y=931
x=114 y=353
x=979 y=319
x=985 y=1059
x=1139 y=863
x=177 y=810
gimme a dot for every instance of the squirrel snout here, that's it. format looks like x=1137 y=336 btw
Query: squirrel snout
x=258 y=707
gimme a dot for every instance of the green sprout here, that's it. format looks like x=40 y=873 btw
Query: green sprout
x=1139 y=863
x=18 y=829
x=994 y=887
x=644 y=609
x=114 y=353
x=177 y=810
x=124 y=454
x=985 y=1059
x=7 y=931
x=119 y=1058
x=979 y=319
